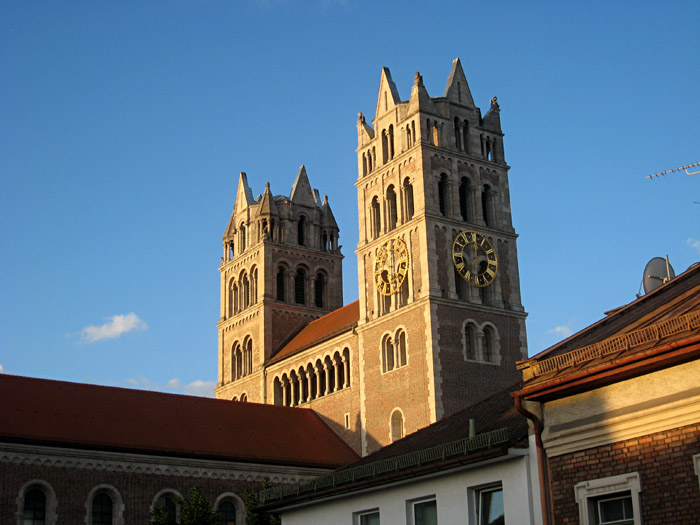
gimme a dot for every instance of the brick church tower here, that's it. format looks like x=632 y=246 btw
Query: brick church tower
x=439 y=322
x=281 y=269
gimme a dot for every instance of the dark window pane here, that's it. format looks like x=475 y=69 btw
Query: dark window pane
x=102 y=509
x=425 y=513
x=34 y=507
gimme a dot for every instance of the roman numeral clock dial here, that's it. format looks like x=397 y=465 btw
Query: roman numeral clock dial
x=391 y=266
x=474 y=258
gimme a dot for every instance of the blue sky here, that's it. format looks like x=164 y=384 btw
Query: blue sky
x=124 y=125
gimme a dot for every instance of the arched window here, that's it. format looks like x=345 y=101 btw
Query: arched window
x=301 y=226
x=408 y=198
x=397 y=425
x=248 y=356
x=391 y=208
x=436 y=139
x=388 y=354
x=104 y=506
x=320 y=290
x=281 y=275
x=486 y=205
x=458 y=141
x=400 y=344
x=364 y=163
x=391 y=141
x=243 y=238
x=465 y=136
x=489 y=342
x=385 y=146
x=409 y=138
x=231 y=297
x=236 y=362
x=246 y=290
x=470 y=341
x=299 y=283
x=244 y=398
x=167 y=502
x=375 y=218
x=102 y=509
x=34 y=512
x=227 y=511
x=464 y=198
x=442 y=194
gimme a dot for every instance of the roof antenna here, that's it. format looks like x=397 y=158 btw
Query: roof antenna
x=676 y=169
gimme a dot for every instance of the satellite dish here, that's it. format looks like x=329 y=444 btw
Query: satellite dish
x=657 y=272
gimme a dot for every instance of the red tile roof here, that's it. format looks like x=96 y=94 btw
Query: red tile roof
x=332 y=324
x=41 y=411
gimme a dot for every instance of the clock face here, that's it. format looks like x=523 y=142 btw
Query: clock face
x=391 y=266
x=474 y=258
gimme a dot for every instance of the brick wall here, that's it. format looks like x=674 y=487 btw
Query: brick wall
x=664 y=461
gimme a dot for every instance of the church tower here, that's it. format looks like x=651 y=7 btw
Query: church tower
x=441 y=323
x=281 y=269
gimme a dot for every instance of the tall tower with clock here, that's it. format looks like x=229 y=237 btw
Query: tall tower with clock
x=441 y=323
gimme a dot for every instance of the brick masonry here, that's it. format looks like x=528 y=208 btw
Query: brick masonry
x=664 y=461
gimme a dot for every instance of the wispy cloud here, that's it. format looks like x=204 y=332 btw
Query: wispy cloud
x=694 y=244
x=115 y=327
x=562 y=331
x=195 y=388
x=2 y=370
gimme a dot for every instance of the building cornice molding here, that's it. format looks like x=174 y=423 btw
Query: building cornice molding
x=44 y=456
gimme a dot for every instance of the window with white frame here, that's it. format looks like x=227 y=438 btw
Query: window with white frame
x=423 y=511
x=36 y=504
x=489 y=505
x=609 y=501
x=366 y=517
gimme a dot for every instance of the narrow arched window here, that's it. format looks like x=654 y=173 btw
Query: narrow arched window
x=408 y=198
x=392 y=213
x=254 y=286
x=320 y=290
x=243 y=238
x=34 y=512
x=488 y=346
x=246 y=291
x=280 y=284
x=458 y=142
x=486 y=205
x=236 y=362
x=301 y=226
x=102 y=509
x=168 y=503
x=388 y=354
x=436 y=138
x=442 y=194
x=464 y=198
x=375 y=218
x=299 y=283
x=409 y=139
x=465 y=136
x=470 y=341
x=364 y=163
x=397 y=425
x=231 y=297
x=385 y=146
x=248 y=356
x=391 y=141
x=400 y=348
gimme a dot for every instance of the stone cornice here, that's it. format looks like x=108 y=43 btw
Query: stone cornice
x=152 y=465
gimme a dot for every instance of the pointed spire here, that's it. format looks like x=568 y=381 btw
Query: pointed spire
x=301 y=191
x=267 y=203
x=457 y=89
x=327 y=218
x=244 y=195
x=420 y=100
x=388 y=94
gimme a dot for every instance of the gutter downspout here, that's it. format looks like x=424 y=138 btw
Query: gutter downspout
x=543 y=478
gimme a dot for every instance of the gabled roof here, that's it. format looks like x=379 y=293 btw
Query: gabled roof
x=73 y=415
x=659 y=329
x=440 y=446
x=330 y=325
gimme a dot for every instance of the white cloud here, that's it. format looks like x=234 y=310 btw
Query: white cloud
x=195 y=388
x=1 y=370
x=694 y=244
x=561 y=331
x=117 y=325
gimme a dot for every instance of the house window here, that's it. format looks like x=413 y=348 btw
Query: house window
x=490 y=506
x=367 y=518
x=424 y=512
x=611 y=500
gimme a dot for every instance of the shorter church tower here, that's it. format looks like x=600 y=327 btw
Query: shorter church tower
x=281 y=269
